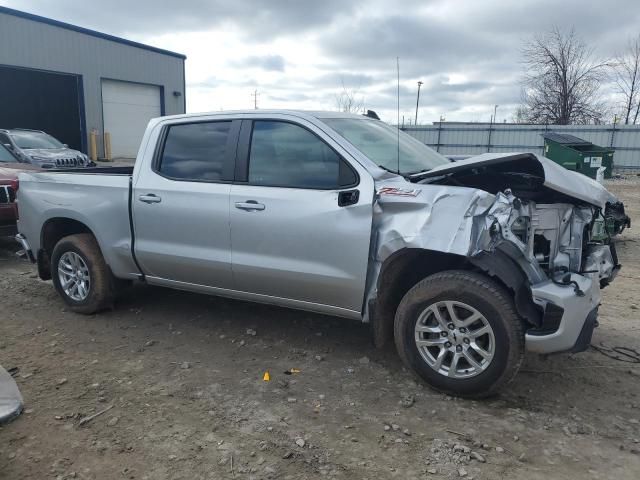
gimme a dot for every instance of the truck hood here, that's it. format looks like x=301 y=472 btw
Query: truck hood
x=52 y=152
x=554 y=176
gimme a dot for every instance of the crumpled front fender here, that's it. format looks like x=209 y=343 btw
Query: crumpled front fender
x=440 y=218
x=462 y=222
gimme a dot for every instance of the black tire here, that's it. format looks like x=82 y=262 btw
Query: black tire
x=488 y=298
x=100 y=294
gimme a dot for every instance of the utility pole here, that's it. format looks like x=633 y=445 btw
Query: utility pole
x=418 y=101
x=255 y=99
x=495 y=109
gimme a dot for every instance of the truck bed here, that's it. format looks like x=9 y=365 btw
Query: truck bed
x=96 y=197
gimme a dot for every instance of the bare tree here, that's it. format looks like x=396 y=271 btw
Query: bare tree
x=350 y=100
x=626 y=70
x=562 y=80
x=520 y=115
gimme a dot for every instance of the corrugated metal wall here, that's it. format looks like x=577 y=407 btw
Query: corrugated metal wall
x=474 y=138
x=33 y=44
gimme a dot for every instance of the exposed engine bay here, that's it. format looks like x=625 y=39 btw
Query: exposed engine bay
x=559 y=238
x=525 y=178
x=556 y=231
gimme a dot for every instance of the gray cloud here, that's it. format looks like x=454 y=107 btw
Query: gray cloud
x=215 y=82
x=258 y=19
x=466 y=52
x=443 y=97
x=288 y=97
x=270 y=63
x=350 y=80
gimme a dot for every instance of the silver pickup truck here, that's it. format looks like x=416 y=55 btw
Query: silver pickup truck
x=464 y=265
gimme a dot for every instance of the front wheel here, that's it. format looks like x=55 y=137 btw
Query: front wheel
x=80 y=274
x=460 y=333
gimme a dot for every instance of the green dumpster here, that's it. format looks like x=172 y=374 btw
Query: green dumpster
x=577 y=154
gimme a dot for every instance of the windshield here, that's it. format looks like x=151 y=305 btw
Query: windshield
x=35 y=140
x=379 y=142
x=5 y=155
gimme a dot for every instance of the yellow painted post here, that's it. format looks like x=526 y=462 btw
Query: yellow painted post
x=93 y=149
x=107 y=146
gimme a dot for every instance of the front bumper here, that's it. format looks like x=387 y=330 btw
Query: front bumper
x=572 y=331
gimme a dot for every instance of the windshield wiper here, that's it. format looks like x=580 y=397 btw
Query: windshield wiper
x=388 y=169
x=419 y=171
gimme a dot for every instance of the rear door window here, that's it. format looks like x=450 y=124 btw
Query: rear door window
x=196 y=151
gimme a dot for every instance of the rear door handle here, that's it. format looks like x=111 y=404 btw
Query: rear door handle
x=250 y=205
x=150 y=198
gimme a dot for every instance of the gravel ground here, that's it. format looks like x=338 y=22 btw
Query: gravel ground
x=182 y=377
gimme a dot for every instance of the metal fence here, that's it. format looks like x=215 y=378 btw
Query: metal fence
x=452 y=138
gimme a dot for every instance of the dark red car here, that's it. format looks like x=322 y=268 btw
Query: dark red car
x=9 y=169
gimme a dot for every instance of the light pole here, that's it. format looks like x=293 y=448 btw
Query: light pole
x=418 y=101
x=493 y=120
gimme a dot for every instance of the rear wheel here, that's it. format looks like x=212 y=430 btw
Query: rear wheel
x=460 y=333
x=80 y=274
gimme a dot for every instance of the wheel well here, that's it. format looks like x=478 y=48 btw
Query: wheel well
x=399 y=273
x=52 y=231
x=406 y=267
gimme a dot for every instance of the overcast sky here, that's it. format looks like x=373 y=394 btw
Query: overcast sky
x=298 y=54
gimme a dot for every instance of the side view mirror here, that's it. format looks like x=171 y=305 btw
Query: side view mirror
x=8 y=145
x=65 y=145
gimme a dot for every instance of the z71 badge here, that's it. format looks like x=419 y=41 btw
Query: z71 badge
x=401 y=192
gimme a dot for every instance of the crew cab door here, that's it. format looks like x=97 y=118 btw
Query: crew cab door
x=180 y=205
x=301 y=217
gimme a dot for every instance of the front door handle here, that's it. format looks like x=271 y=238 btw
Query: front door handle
x=250 y=205
x=150 y=198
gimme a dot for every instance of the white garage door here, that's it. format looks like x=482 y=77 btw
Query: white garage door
x=126 y=109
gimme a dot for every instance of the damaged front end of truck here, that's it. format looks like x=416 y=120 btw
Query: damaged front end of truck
x=544 y=232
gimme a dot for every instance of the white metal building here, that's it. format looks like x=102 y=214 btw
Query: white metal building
x=68 y=80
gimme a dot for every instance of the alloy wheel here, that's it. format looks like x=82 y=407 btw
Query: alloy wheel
x=74 y=277
x=455 y=339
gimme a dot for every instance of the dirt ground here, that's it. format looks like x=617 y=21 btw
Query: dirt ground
x=183 y=374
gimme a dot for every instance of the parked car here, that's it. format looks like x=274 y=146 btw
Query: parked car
x=9 y=169
x=465 y=265
x=41 y=149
